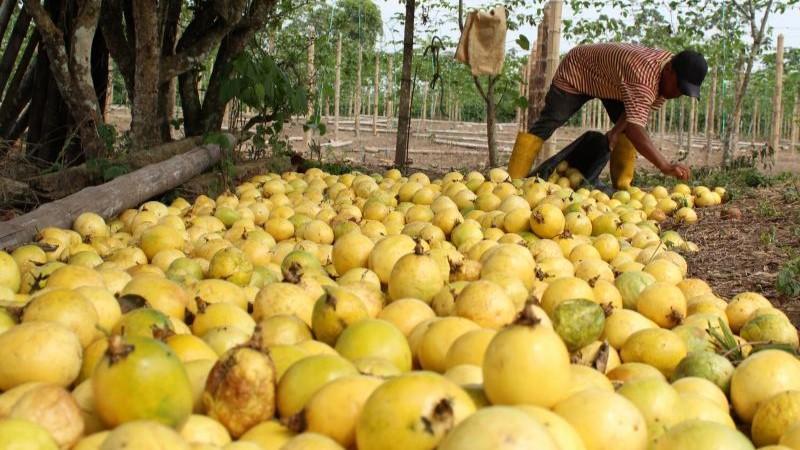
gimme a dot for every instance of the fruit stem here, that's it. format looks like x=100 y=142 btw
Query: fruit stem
x=117 y=349
x=527 y=317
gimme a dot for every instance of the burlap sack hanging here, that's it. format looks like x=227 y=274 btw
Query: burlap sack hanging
x=483 y=42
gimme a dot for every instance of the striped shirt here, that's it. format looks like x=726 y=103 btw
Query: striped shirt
x=626 y=72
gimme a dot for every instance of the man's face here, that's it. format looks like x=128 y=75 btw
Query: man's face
x=669 y=83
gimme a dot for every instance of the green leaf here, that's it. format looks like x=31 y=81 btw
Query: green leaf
x=523 y=42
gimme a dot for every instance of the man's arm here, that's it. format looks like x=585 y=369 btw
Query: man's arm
x=644 y=145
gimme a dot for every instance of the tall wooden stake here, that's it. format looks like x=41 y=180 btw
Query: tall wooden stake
x=337 y=88
x=376 y=94
x=777 y=112
x=424 y=106
x=795 y=123
x=690 y=134
x=357 y=108
x=388 y=99
x=662 y=123
x=309 y=134
x=710 y=112
x=756 y=121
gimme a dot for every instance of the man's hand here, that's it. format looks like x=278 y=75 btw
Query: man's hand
x=678 y=171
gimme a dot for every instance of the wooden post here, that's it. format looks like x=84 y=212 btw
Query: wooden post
x=710 y=112
x=357 y=107
x=337 y=88
x=424 y=106
x=795 y=123
x=309 y=134
x=388 y=109
x=376 y=95
x=662 y=123
x=755 y=120
x=681 y=123
x=777 y=112
x=553 y=52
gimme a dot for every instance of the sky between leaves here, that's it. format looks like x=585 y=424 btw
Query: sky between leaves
x=787 y=23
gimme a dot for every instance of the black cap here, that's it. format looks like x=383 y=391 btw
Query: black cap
x=691 y=68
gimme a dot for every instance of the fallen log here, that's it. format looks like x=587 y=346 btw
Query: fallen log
x=109 y=199
x=56 y=185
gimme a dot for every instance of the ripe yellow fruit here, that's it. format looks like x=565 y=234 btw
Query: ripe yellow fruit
x=143 y=435
x=547 y=221
x=622 y=323
x=333 y=312
x=486 y=304
x=39 y=351
x=305 y=377
x=351 y=251
x=334 y=409
x=469 y=348
x=200 y=429
x=564 y=289
x=54 y=409
x=161 y=237
x=774 y=417
x=415 y=275
x=240 y=390
x=604 y=420
x=406 y=313
x=656 y=400
x=694 y=434
x=526 y=363
x=663 y=303
x=10 y=275
x=437 y=339
x=414 y=410
x=141 y=379
x=375 y=338
x=67 y=308
x=23 y=434
x=499 y=428
x=269 y=434
x=162 y=294
x=283 y=298
x=387 y=252
x=657 y=347
x=742 y=306
x=761 y=376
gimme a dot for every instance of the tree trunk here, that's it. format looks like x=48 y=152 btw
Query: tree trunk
x=357 y=101
x=755 y=121
x=795 y=122
x=145 y=131
x=777 y=108
x=14 y=44
x=337 y=89
x=424 y=110
x=6 y=11
x=71 y=69
x=168 y=89
x=111 y=198
x=388 y=97
x=404 y=113
x=491 y=128
x=757 y=34
x=710 y=112
x=311 y=85
x=376 y=95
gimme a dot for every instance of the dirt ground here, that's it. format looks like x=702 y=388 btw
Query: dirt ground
x=746 y=254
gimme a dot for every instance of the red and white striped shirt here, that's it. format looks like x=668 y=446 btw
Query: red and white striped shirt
x=626 y=72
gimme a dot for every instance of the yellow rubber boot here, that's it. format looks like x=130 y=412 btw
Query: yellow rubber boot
x=623 y=163
x=526 y=147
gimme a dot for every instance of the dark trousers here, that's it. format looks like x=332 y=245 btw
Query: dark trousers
x=559 y=106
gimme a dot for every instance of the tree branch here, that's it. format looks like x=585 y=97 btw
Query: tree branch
x=480 y=88
x=118 y=46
